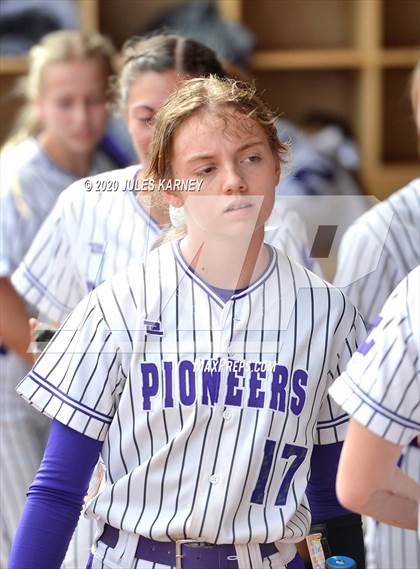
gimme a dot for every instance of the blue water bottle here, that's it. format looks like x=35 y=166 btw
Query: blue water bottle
x=340 y=562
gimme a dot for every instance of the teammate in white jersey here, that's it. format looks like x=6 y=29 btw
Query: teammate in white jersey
x=379 y=250
x=376 y=253
x=62 y=125
x=204 y=370
x=383 y=245
x=380 y=388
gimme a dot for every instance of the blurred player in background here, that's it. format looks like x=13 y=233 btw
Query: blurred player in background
x=376 y=253
x=56 y=143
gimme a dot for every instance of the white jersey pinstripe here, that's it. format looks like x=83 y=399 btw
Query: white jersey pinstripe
x=381 y=389
x=379 y=250
x=187 y=441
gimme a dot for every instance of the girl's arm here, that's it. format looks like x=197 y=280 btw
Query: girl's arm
x=55 y=499
x=370 y=482
x=14 y=321
x=344 y=529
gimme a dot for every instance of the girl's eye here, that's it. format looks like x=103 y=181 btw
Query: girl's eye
x=206 y=170
x=146 y=121
x=253 y=159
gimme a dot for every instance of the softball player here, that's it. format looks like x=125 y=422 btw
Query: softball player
x=376 y=253
x=56 y=144
x=381 y=390
x=119 y=224
x=203 y=370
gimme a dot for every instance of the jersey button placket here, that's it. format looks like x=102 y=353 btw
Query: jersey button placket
x=227 y=414
x=214 y=479
x=208 y=478
x=226 y=348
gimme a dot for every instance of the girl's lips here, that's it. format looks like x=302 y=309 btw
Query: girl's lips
x=237 y=207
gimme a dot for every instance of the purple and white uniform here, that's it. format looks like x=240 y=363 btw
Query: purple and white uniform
x=209 y=408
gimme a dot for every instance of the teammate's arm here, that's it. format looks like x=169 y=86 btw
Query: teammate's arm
x=343 y=529
x=370 y=482
x=14 y=321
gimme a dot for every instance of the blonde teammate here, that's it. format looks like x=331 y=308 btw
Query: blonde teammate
x=57 y=142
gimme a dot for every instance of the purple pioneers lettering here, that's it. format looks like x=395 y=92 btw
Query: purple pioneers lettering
x=245 y=384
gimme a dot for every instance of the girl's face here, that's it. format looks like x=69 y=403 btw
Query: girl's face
x=147 y=94
x=231 y=157
x=72 y=105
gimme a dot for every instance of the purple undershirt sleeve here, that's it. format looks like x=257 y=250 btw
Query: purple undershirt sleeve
x=321 y=486
x=54 y=500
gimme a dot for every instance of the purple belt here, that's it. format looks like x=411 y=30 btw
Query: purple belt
x=194 y=555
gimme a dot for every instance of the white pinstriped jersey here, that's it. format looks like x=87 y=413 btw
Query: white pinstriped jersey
x=381 y=384
x=379 y=250
x=376 y=253
x=30 y=185
x=208 y=409
x=91 y=235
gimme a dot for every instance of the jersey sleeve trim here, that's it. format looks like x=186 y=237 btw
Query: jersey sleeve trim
x=340 y=396
x=46 y=385
x=333 y=422
x=27 y=273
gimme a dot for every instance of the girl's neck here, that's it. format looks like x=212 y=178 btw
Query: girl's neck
x=77 y=164
x=227 y=263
